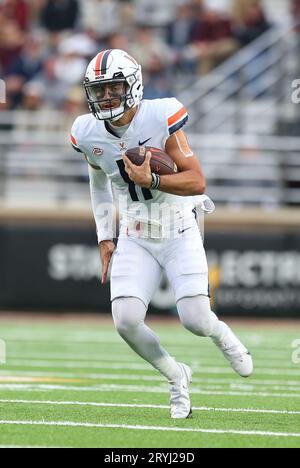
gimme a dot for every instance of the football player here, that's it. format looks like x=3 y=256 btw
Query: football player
x=149 y=240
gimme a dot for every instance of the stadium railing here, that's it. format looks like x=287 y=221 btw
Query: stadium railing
x=251 y=89
x=240 y=170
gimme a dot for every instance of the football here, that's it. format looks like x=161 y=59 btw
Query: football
x=161 y=163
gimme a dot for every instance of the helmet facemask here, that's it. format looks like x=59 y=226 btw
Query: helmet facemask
x=110 y=99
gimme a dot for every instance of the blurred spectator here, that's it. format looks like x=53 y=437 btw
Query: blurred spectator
x=11 y=42
x=127 y=13
x=222 y=6
x=167 y=37
x=60 y=15
x=295 y=9
x=102 y=17
x=155 y=13
x=249 y=24
x=25 y=67
x=16 y=11
x=75 y=104
x=213 y=39
x=72 y=61
x=249 y=20
x=150 y=51
x=179 y=36
x=197 y=7
x=118 y=41
x=56 y=88
x=70 y=69
x=78 y=45
x=33 y=97
x=179 y=32
x=155 y=57
x=66 y=69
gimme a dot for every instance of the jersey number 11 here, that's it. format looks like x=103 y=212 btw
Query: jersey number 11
x=131 y=185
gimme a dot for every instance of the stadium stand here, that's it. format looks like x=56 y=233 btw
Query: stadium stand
x=231 y=62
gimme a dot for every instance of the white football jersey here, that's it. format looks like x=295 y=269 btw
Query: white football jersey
x=152 y=125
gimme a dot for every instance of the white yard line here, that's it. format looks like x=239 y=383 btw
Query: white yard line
x=108 y=333
x=198 y=357
x=78 y=365
x=180 y=346
x=114 y=341
x=276 y=384
x=200 y=352
x=148 y=428
x=75 y=357
x=140 y=389
x=126 y=405
x=128 y=355
x=104 y=365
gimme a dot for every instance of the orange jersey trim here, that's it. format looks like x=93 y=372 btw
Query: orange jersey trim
x=73 y=140
x=176 y=117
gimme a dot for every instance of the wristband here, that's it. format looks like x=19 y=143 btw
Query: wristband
x=155 y=181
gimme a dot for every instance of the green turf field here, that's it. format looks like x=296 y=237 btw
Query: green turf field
x=78 y=385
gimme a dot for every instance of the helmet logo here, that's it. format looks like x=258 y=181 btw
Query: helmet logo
x=131 y=59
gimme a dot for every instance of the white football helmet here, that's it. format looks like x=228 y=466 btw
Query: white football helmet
x=118 y=72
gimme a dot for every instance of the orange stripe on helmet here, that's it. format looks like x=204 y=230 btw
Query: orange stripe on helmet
x=98 y=63
x=174 y=118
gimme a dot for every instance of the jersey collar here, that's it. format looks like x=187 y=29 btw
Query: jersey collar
x=111 y=131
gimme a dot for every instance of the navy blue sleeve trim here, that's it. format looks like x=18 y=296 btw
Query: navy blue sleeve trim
x=178 y=126
x=77 y=149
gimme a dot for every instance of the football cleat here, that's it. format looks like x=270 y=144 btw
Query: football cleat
x=236 y=353
x=180 y=399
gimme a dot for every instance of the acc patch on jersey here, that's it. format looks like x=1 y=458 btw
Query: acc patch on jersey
x=98 y=152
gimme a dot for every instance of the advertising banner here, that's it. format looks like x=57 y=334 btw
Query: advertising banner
x=58 y=268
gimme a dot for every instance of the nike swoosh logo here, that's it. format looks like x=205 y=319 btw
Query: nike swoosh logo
x=181 y=231
x=142 y=143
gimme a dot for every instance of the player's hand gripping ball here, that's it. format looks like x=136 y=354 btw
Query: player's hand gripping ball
x=161 y=163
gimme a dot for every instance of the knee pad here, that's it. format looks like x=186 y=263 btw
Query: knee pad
x=196 y=315
x=128 y=313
